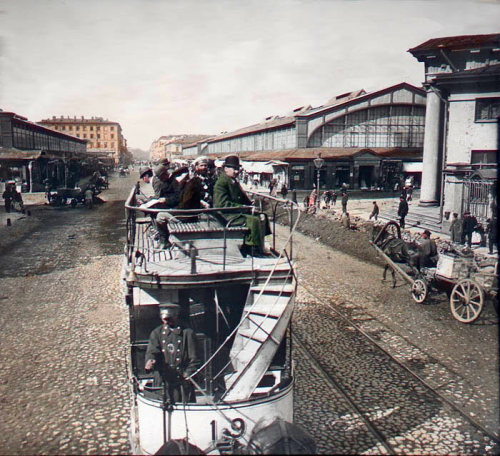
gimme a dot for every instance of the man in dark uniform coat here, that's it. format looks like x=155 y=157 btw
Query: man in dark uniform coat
x=402 y=211
x=172 y=354
x=228 y=193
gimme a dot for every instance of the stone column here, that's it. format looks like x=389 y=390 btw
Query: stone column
x=429 y=194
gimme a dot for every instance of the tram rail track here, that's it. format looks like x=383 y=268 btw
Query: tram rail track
x=484 y=439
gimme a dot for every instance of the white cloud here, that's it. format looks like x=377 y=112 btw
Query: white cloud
x=162 y=67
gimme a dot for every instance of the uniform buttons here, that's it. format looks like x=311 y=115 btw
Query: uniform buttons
x=178 y=349
x=179 y=341
x=177 y=359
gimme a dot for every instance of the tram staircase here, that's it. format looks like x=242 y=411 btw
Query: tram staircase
x=420 y=217
x=265 y=318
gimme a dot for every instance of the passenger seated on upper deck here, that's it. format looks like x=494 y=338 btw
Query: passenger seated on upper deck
x=145 y=174
x=228 y=193
x=166 y=185
x=198 y=192
x=171 y=353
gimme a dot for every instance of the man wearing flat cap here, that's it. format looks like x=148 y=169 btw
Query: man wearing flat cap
x=228 y=193
x=427 y=255
x=172 y=355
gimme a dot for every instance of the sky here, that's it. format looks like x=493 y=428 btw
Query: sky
x=161 y=67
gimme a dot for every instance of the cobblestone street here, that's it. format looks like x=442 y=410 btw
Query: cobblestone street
x=64 y=385
x=64 y=346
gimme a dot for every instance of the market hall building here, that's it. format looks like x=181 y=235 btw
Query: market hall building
x=32 y=153
x=365 y=139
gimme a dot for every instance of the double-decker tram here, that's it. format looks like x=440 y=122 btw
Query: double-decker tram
x=222 y=381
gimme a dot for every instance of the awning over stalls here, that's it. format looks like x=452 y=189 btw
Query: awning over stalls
x=7 y=154
x=257 y=167
x=412 y=167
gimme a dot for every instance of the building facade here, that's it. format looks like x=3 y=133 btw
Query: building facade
x=460 y=157
x=103 y=136
x=359 y=135
x=171 y=146
x=34 y=153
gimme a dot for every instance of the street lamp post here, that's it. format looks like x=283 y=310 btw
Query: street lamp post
x=318 y=163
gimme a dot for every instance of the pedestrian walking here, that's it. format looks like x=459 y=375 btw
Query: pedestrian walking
x=284 y=191
x=409 y=193
x=456 y=229
x=334 y=198
x=402 y=210
x=327 y=197
x=344 y=200
x=375 y=211
x=312 y=198
x=8 y=196
x=491 y=232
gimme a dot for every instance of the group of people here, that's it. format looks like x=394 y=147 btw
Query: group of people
x=12 y=196
x=462 y=229
x=200 y=189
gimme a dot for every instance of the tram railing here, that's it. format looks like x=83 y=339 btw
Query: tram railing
x=227 y=217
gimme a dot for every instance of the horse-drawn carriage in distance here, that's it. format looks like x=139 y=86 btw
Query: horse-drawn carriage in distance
x=79 y=194
x=468 y=281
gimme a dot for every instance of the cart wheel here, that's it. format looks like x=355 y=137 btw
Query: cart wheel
x=466 y=301
x=419 y=291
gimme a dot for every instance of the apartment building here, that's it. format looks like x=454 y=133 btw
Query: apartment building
x=103 y=136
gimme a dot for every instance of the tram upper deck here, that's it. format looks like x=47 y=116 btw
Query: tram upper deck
x=204 y=246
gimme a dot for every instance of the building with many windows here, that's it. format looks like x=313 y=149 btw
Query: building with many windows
x=365 y=139
x=103 y=136
x=460 y=157
x=34 y=153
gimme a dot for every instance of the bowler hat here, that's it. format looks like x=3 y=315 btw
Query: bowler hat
x=427 y=232
x=232 y=161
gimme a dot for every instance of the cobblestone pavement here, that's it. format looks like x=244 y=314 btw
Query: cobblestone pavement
x=461 y=361
x=63 y=386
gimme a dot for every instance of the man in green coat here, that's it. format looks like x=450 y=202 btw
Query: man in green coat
x=228 y=193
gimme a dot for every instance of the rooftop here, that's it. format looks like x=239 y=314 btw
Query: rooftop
x=458 y=43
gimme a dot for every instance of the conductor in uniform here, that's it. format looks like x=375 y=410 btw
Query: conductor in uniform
x=171 y=353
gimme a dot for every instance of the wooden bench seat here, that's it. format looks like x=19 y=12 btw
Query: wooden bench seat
x=203 y=227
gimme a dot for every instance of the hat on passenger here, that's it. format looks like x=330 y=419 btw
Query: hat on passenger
x=165 y=161
x=232 y=161
x=145 y=170
x=201 y=161
x=427 y=233
x=160 y=169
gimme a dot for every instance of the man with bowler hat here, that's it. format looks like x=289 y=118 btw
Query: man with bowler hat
x=228 y=193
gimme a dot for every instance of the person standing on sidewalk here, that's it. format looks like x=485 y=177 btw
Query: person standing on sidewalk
x=8 y=196
x=456 y=229
x=468 y=226
x=375 y=211
x=402 y=210
x=345 y=198
x=491 y=231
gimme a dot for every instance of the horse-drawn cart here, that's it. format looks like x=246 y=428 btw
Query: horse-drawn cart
x=468 y=282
